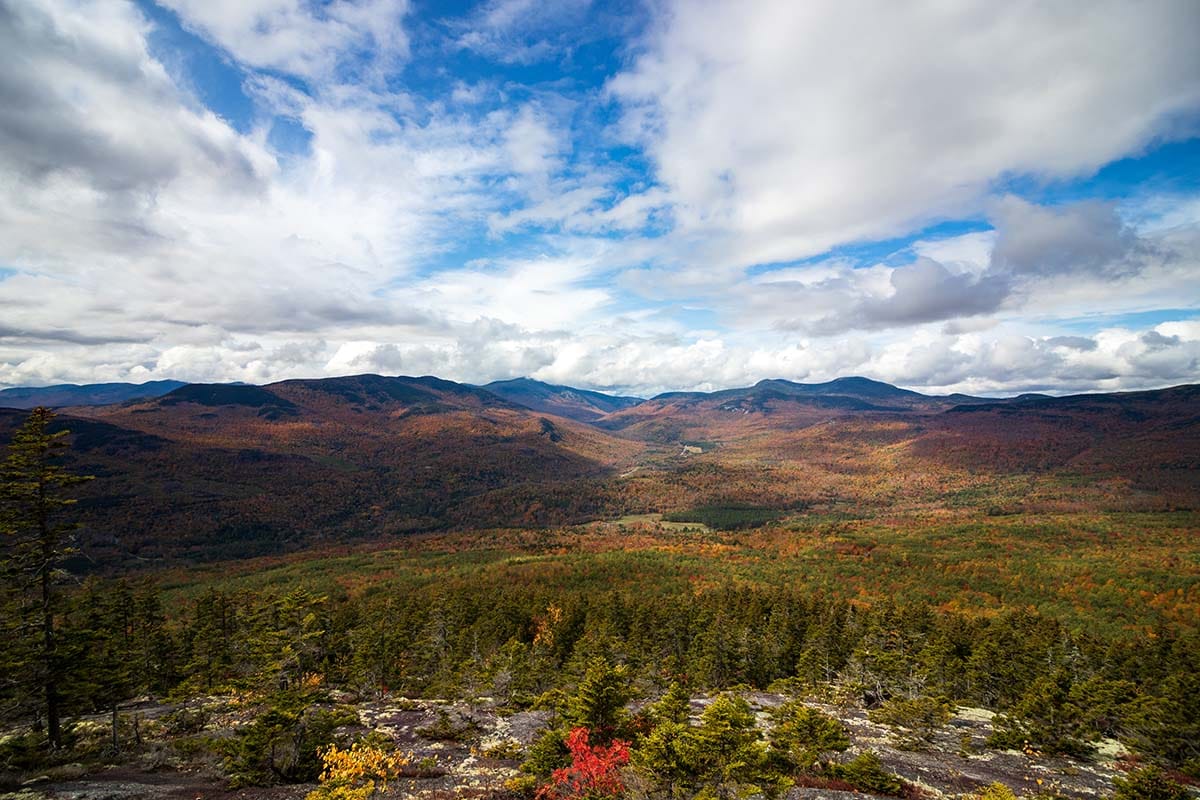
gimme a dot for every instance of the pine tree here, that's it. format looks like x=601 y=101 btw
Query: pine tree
x=801 y=735
x=728 y=752
x=288 y=640
x=209 y=641
x=37 y=539
x=599 y=703
x=914 y=721
x=106 y=669
x=674 y=706
x=1045 y=719
x=1148 y=783
x=666 y=757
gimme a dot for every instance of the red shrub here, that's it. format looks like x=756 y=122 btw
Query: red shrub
x=595 y=770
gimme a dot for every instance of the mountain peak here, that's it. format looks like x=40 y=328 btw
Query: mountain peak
x=849 y=385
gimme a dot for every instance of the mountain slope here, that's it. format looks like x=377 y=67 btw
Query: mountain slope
x=220 y=471
x=92 y=394
x=562 y=401
x=1148 y=437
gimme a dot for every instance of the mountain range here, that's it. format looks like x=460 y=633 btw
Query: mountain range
x=564 y=401
x=584 y=405
x=94 y=394
x=213 y=471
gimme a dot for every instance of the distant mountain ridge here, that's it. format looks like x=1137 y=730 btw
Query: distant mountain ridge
x=768 y=404
x=93 y=394
x=851 y=386
x=583 y=405
x=846 y=394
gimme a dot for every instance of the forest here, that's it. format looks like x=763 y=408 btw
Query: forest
x=721 y=649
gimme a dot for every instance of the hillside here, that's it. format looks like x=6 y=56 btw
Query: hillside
x=1139 y=448
x=231 y=470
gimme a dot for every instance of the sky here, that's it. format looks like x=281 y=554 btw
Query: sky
x=631 y=196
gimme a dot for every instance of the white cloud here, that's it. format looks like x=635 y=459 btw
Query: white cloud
x=148 y=219
x=532 y=144
x=970 y=250
x=307 y=38
x=80 y=95
x=1067 y=261
x=540 y=294
x=924 y=291
x=782 y=129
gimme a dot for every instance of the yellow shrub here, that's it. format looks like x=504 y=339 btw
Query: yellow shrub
x=995 y=791
x=356 y=773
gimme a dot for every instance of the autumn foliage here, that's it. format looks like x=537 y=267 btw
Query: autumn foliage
x=595 y=770
x=357 y=772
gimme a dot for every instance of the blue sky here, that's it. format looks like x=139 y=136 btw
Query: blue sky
x=630 y=196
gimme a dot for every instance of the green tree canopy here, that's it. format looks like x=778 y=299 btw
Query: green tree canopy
x=37 y=537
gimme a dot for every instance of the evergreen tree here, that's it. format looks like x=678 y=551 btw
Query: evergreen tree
x=288 y=639
x=1045 y=719
x=827 y=644
x=1167 y=725
x=666 y=758
x=866 y=773
x=674 y=706
x=599 y=703
x=106 y=670
x=728 y=755
x=209 y=641
x=801 y=735
x=914 y=721
x=379 y=649
x=37 y=539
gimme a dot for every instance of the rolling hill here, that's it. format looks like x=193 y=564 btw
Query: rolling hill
x=224 y=471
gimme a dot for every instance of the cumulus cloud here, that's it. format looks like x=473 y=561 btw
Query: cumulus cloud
x=1086 y=237
x=836 y=297
x=148 y=218
x=970 y=249
x=539 y=294
x=1115 y=358
x=788 y=128
x=924 y=291
x=1073 y=260
x=532 y=144
x=1072 y=342
x=79 y=92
